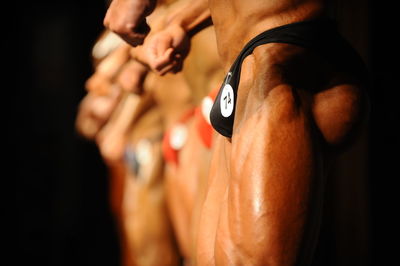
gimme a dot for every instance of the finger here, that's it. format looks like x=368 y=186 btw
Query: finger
x=164 y=60
x=178 y=67
x=106 y=20
x=163 y=44
x=168 y=68
x=150 y=54
x=179 y=64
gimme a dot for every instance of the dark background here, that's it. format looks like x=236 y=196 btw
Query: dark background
x=62 y=206
x=63 y=215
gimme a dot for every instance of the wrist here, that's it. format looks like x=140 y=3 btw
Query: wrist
x=177 y=21
x=191 y=21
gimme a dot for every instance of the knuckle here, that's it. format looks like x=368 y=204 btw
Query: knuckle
x=119 y=28
x=106 y=22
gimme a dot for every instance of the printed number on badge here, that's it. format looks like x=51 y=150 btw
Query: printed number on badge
x=227 y=101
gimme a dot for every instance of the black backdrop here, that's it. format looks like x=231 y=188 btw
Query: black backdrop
x=62 y=209
x=63 y=215
x=384 y=140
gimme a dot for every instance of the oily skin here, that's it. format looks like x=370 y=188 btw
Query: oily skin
x=272 y=178
x=271 y=172
x=184 y=183
x=143 y=242
x=143 y=204
x=146 y=234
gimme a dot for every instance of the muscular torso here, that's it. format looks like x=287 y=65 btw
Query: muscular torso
x=236 y=22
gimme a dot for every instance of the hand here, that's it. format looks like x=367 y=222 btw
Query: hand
x=95 y=110
x=165 y=51
x=112 y=138
x=131 y=77
x=127 y=18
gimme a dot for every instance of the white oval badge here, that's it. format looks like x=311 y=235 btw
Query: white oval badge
x=178 y=136
x=226 y=101
x=206 y=107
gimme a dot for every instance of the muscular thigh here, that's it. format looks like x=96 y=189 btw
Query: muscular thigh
x=265 y=186
x=214 y=197
x=262 y=180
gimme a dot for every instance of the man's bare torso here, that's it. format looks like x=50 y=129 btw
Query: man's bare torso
x=264 y=196
x=236 y=22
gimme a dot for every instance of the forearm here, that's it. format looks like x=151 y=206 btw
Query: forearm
x=192 y=17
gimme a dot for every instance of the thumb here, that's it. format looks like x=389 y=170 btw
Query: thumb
x=162 y=45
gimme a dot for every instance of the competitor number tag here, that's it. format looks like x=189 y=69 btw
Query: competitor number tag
x=226 y=101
